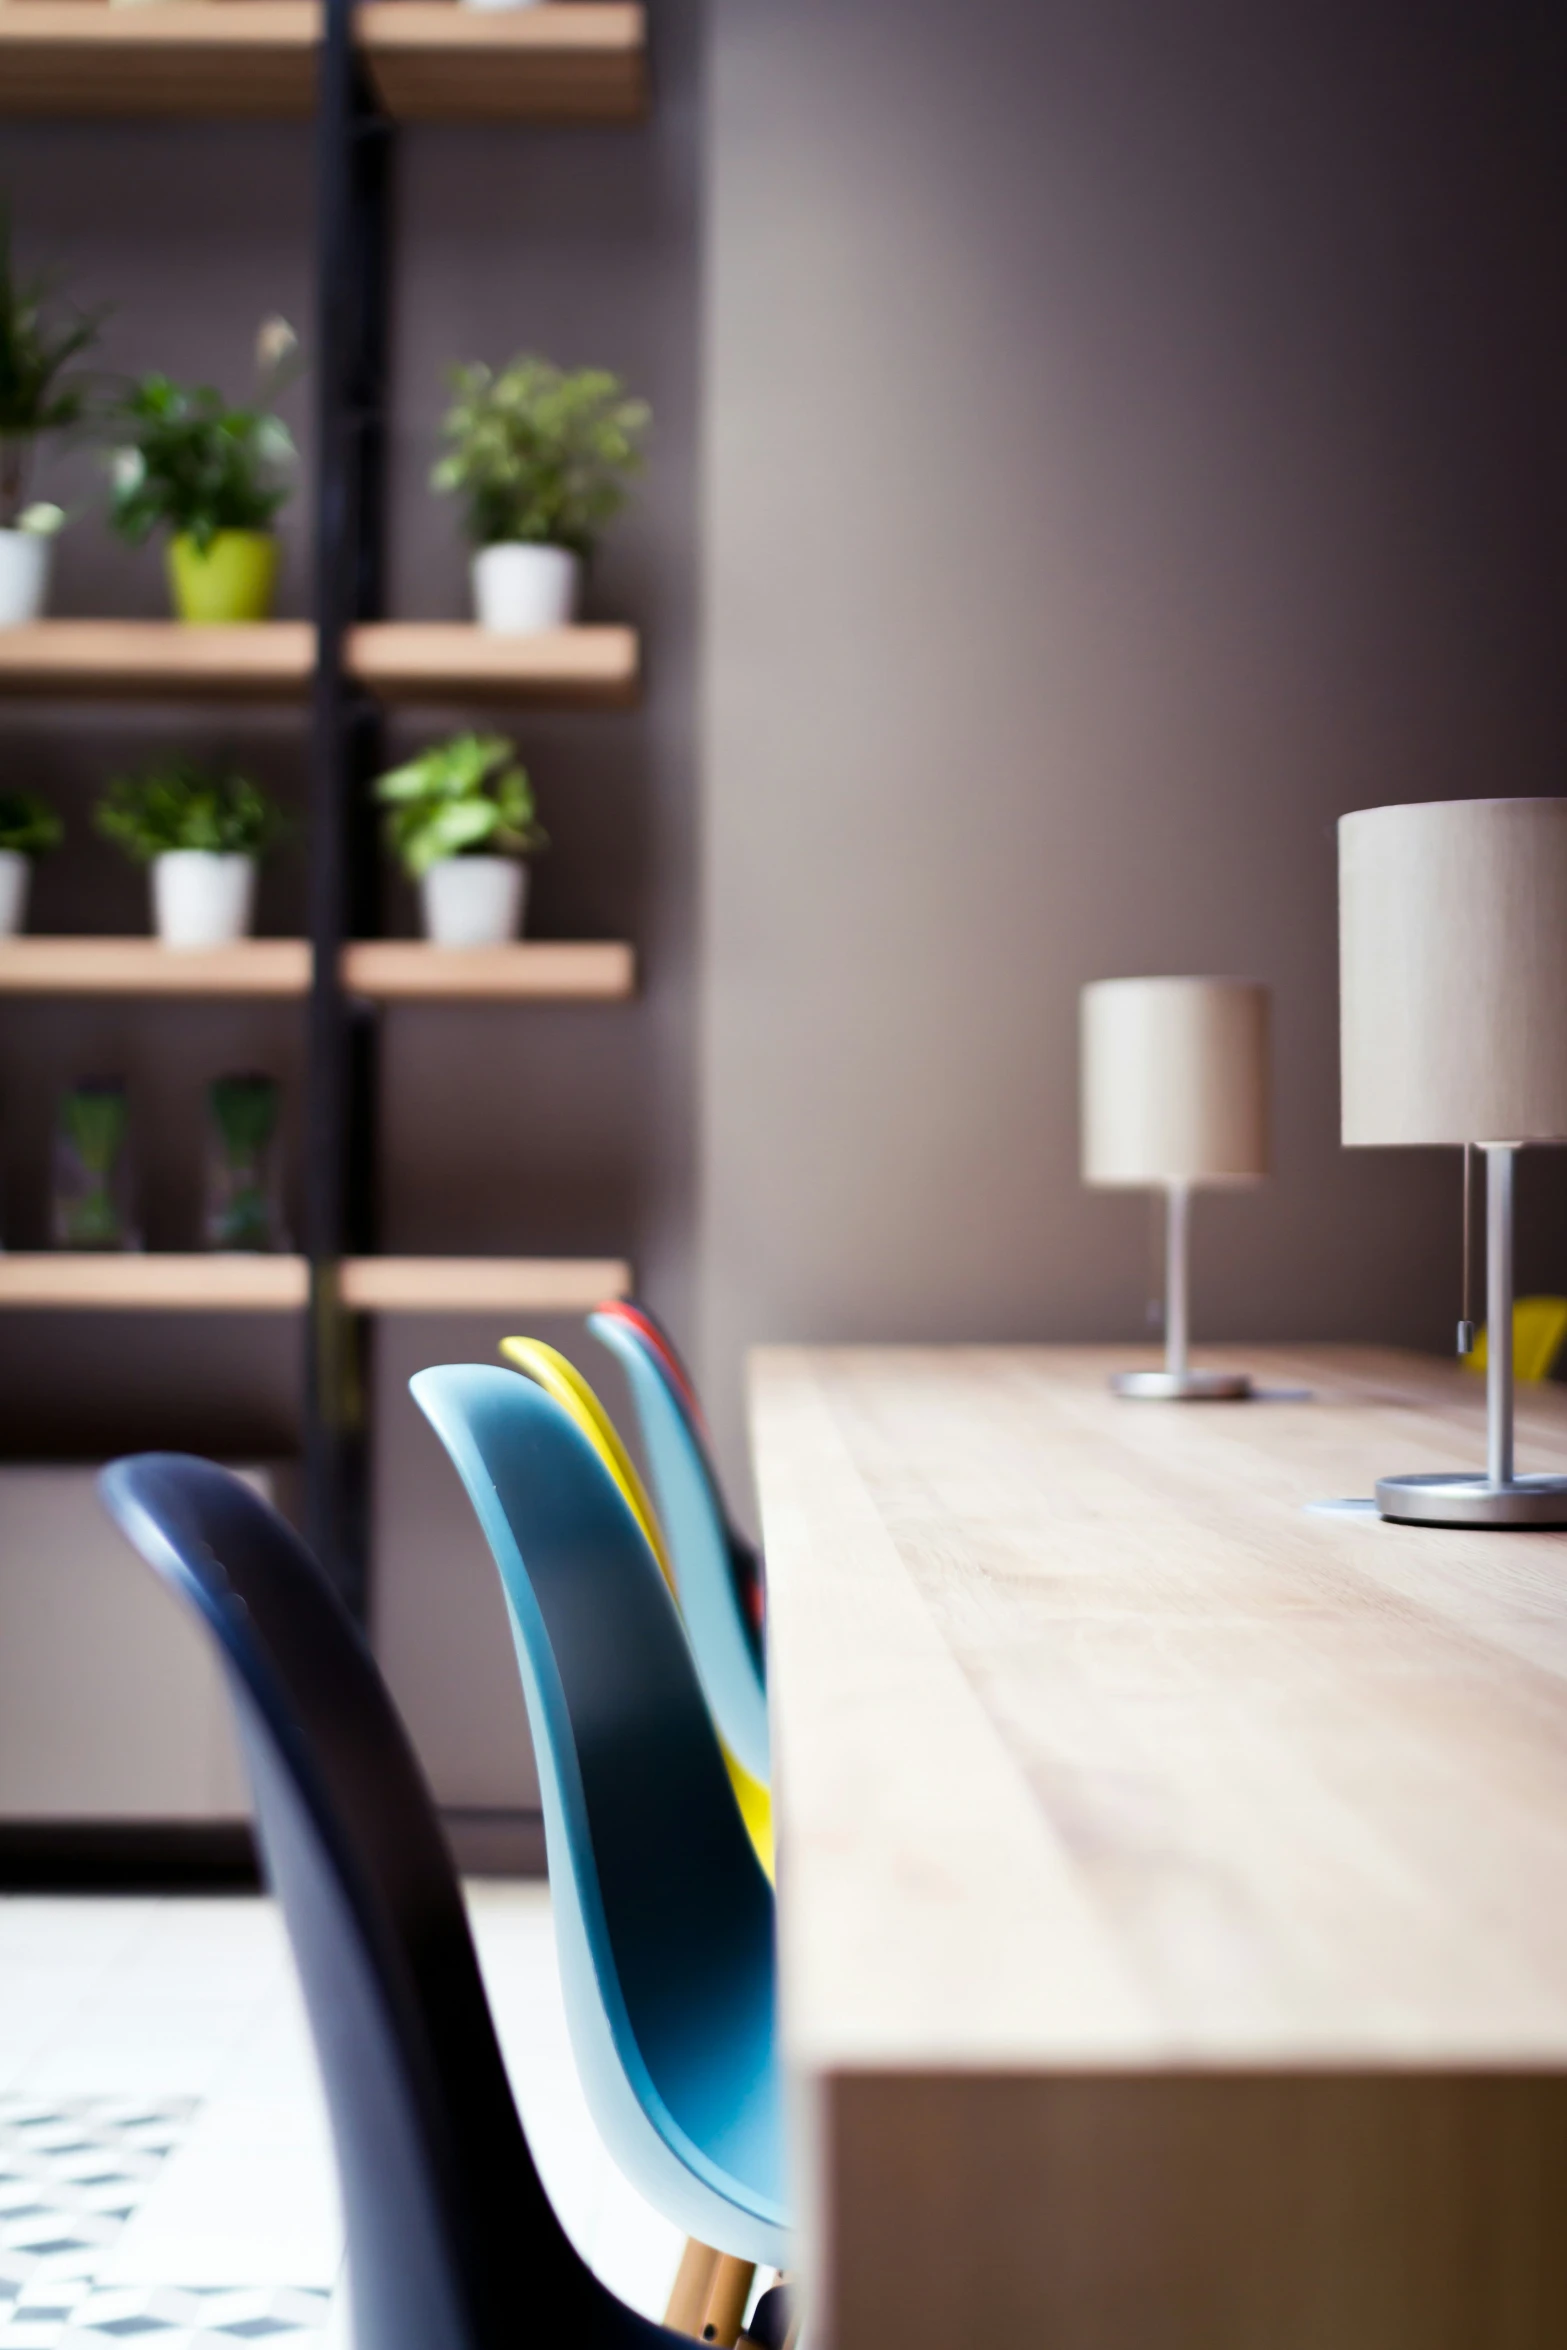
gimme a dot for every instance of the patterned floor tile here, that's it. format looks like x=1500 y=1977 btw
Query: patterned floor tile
x=72 y=2173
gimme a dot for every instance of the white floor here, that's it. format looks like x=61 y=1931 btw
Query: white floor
x=179 y=2019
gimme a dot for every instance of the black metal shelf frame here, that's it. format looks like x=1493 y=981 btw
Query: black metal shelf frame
x=353 y=155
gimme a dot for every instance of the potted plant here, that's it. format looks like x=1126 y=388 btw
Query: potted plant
x=40 y=393
x=28 y=826
x=541 y=460
x=201 y=834
x=462 y=818
x=244 y=1208
x=215 y=477
x=90 y=1203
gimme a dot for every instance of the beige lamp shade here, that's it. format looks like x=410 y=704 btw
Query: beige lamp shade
x=1175 y=1081
x=1453 y=972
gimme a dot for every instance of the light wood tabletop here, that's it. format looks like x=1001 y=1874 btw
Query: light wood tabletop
x=1174 y=1874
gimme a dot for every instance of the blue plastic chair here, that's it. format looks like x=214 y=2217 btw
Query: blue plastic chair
x=452 y=2244
x=712 y=1561
x=663 y=1915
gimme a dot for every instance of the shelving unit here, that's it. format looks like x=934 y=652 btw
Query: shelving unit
x=382 y=971
x=354 y=72
x=427 y=60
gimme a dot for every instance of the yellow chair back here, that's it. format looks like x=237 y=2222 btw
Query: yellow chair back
x=560 y=1379
x=1539 y=1333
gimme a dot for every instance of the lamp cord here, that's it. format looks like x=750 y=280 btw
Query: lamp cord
x=1466 y=1328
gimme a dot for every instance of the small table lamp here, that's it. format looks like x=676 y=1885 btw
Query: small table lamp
x=1453 y=1009
x=1175 y=1095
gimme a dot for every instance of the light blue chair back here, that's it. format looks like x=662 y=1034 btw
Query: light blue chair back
x=664 y=1919
x=728 y=1651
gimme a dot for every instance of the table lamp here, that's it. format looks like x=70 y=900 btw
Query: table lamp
x=1175 y=1096
x=1453 y=1012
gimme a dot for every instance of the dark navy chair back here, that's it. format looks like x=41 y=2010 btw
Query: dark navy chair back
x=452 y=2243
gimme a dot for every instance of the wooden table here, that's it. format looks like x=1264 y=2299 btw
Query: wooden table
x=1174 y=1879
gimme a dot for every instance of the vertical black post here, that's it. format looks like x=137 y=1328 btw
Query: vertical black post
x=349 y=358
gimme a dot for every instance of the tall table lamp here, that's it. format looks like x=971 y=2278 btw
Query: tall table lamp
x=1175 y=1097
x=1453 y=1011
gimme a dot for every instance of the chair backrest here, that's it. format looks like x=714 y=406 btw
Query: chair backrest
x=712 y=1562
x=559 y=1377
x=663 y=1916
x=643 y=1318
x=452 y=2244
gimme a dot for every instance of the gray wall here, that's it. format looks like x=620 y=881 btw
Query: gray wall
x=1135 y=436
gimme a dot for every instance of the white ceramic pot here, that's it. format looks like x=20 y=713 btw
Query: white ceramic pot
x=473 y=901
x=16 y=871
x=519 y=589
x=25 y=560
x=201 y=898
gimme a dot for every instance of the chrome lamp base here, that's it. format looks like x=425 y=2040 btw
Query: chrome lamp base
x=1182 y=1386
x=1500 y=1497
x=1178 y=1382
x=1473 y=1501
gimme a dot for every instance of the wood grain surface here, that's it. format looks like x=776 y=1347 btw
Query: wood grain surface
x=1185 y=1864
x=182 y=58
x=482 y=1285
x=155 y=1282
x=252 y=660
x=430 y=60
x=389 y=971
x=433 y=62
x=145 y=967
x=420 y=660
x=543 y=970
x=400 y=661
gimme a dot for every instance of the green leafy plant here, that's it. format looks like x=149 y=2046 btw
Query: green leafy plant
x=28 y=825
x=40 y=391
x=179 y=804
x=539 y=454
x=466 y=797
x=191 y=462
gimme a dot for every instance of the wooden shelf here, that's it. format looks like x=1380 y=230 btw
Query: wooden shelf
x=132 y=1282
x=546 y=970
x=389 y=971
x=260 y=660
x=85 y=1281
x=434 y=660
x=243 y=58
x=482 y=1285
x=399 y=661
x=430 y=60
x=140 y=966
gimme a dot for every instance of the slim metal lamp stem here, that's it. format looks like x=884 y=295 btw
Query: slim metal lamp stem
x=1500 y=1159
x=1177 y=1323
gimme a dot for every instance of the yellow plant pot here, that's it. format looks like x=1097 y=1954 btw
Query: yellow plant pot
x=232 y=581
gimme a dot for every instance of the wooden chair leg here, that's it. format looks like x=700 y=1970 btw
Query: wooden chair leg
x=726 y=2299
x=687 y=2311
